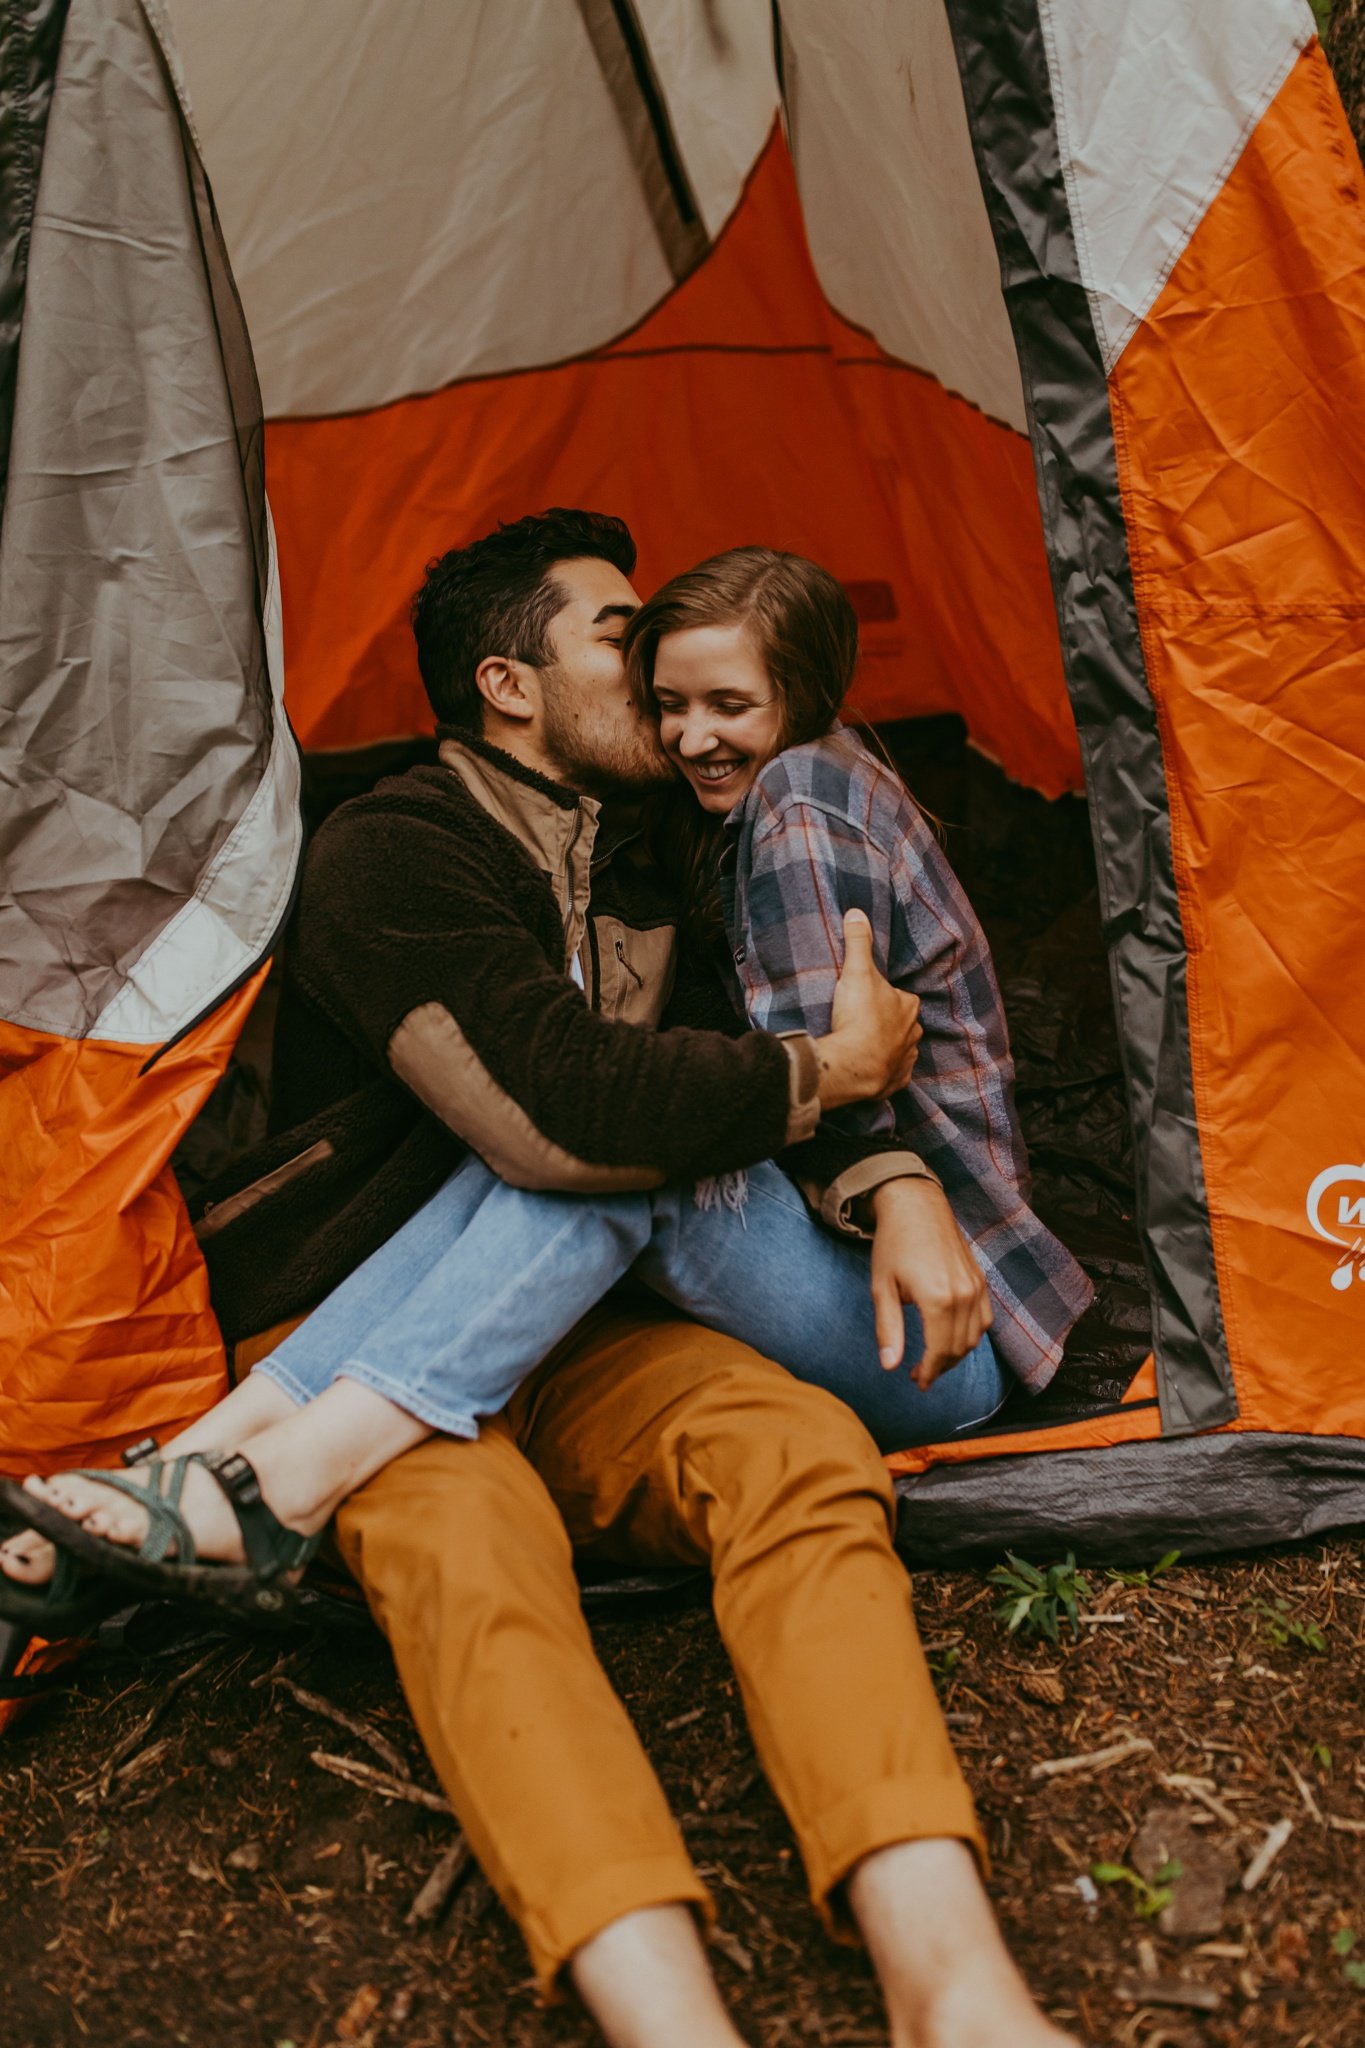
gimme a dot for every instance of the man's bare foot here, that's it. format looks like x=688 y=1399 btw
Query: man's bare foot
x=983 y=2008
x=945 y=1972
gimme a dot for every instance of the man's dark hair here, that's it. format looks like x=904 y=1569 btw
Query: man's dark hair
x=497 y=596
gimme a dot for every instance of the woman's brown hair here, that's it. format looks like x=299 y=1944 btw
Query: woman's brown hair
x=803 y=627
x=805 y=631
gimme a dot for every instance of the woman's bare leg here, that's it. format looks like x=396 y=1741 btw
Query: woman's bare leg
x=254 y=1404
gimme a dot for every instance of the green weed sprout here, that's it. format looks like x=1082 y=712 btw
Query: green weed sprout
x=1148 y=1899
x=1343 y=1941
x=1035 y=1601
x=1147 y=1578
x=1284 y=1627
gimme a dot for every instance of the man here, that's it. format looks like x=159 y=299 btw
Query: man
x=429 y=998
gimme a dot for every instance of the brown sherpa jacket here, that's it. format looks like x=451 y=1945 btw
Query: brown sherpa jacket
x=480 y=959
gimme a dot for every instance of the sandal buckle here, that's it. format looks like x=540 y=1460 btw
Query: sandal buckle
x=237 y=1475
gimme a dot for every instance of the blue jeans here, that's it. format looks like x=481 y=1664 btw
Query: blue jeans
x=460 y=1306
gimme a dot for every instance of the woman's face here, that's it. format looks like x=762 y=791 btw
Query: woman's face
x=720 y=719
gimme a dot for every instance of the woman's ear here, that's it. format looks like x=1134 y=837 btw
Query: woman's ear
x=508 y=687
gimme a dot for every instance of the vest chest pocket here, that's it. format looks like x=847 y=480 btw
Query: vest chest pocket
x=634 y=970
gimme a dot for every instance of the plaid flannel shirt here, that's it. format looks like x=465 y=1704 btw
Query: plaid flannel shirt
x=827 y=828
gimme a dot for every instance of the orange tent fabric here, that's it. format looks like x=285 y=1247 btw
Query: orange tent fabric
x=105 y=1323
x=1249 y=557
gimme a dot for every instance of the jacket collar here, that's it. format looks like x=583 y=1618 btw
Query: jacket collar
x=557 y=826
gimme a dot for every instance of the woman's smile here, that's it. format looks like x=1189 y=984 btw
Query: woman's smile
x=716 y=770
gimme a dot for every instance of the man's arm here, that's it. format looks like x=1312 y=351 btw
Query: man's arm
x=425 y=961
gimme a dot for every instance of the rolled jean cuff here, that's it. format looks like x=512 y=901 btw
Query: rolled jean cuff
x=896 y=1810
x=445 y=1422
x=607 y=1895
x=280 y=1376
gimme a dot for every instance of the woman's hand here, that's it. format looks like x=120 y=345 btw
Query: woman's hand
x=920 y=1256
x=874 y=1029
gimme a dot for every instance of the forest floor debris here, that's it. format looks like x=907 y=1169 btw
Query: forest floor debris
x=178 y=1870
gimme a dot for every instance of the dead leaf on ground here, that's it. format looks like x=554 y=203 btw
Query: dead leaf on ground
x=1289 y=1948
x=359 y=2013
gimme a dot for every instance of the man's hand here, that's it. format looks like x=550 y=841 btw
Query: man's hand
x=919 y=1255
x=874 y=1028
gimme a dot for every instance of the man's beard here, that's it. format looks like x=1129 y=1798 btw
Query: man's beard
x=604 y=763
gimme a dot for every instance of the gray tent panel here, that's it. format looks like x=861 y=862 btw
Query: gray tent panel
x=1003 y=62
x=29 y=44
x=149 y=831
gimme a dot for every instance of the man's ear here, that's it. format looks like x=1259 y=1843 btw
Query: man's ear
x=508 y=687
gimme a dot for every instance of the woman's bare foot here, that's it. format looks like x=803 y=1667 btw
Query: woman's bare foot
x=30 y=1559
x=253 y=1407
x=305 y=1465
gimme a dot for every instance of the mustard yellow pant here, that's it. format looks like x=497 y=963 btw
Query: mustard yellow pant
x=648 y=1440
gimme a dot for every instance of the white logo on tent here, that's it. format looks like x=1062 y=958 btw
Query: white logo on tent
x=1337 y=1197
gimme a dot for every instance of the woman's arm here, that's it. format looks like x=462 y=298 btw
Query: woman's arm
x=807 y=870
x=808 y=867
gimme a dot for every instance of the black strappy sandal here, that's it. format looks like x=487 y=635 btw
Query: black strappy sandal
x=259 y=1588
x=71 y=1603
x=75 y=1599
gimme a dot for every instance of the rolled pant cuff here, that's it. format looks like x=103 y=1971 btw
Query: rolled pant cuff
x=896 y=1810
x=604 y=1896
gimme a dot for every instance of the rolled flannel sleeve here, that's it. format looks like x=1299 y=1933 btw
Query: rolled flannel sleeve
x=807 y=867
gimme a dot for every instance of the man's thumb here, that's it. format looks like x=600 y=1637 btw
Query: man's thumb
x=857 y=942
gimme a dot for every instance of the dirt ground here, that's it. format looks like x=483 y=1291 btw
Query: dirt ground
x=179 y=1866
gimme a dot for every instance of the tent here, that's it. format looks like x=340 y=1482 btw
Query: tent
x=1042 y=323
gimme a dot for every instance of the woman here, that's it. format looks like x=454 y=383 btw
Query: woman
x=746 y=660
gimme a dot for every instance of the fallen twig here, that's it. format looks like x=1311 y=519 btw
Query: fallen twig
x=362 y=1730
x=280 y=1664
x=385 y=1783
x=1270 y=1848
x=137 y=1734
x=1197 y=1789
x=1305 y=1792
x=733 y=1950
x=720 y=1823
x=1344 y=1826
x=1094 y=1759
x=1170 y=1991
x=436 y=1893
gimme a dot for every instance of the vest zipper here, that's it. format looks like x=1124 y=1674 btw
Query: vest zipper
x=621 y=956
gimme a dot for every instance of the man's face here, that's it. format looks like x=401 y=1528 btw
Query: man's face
x=599 y=740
